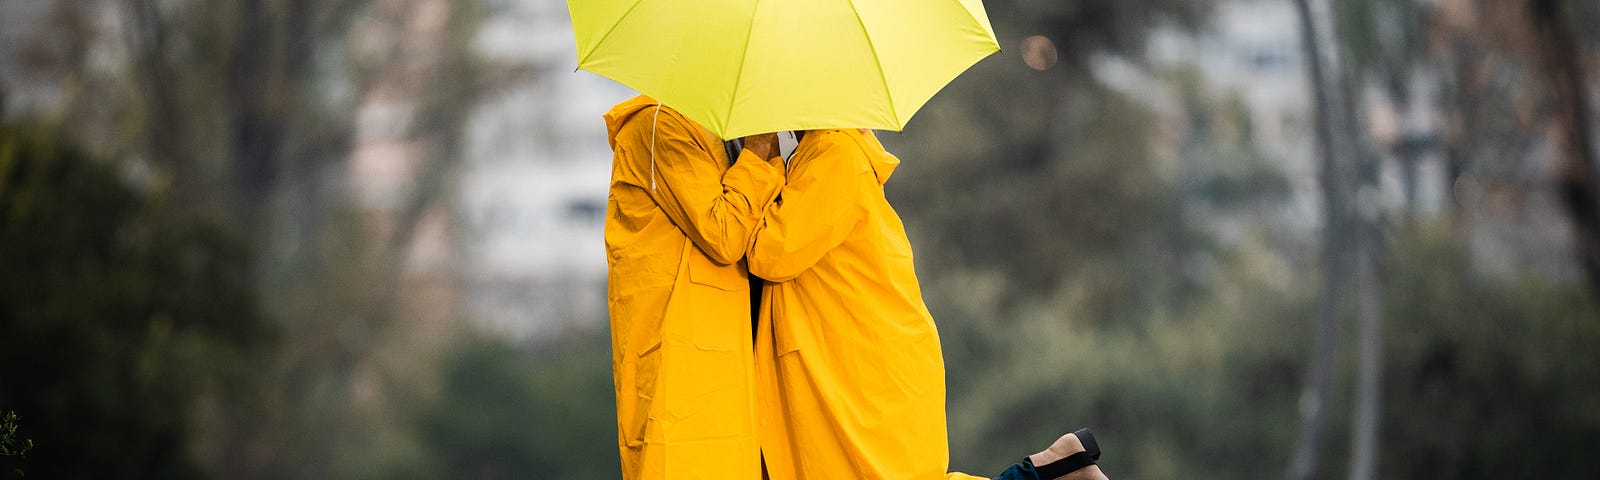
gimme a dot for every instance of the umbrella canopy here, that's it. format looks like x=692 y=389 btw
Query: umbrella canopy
x=741 y=67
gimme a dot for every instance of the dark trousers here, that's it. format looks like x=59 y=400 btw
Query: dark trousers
x=1022 y=470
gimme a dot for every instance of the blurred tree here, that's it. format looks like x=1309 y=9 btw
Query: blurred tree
x=367 y=321
x=1507 y=154
x=251 y=90
x=1346 y=43
x=117 y=315
x=1316 y=39
x=1561 y=66
x=251 y=112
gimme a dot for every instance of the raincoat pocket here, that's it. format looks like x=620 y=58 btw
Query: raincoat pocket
x=717 y=304
x=705 y=272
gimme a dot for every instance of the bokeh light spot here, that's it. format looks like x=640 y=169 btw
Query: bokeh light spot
x=1038 y=52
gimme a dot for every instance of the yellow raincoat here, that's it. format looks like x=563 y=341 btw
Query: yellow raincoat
x=677 y=225
x=849 y=368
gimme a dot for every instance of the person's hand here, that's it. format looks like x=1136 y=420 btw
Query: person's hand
x=764 y=145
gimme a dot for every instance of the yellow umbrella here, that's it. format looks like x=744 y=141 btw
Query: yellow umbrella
x=741 y=67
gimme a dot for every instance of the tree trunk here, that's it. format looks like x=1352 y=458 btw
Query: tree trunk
x=1561 y=65
x=269 y=57
x=1366 y=224
x=1364 y=438
x=1366 y=420
x=1319 y=380
x=157 y=83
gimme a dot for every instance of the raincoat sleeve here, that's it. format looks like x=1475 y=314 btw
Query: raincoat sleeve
x=821 y=204
x=716 y=210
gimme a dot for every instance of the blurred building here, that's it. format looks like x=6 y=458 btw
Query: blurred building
x=533 y=190
x=27 y=89
x=1249 y=55
x=519 y=246
x=1253 y=51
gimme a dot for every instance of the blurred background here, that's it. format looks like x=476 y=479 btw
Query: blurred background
x=1242 y=239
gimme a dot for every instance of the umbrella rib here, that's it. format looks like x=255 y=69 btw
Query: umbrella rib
x=975 y=21
x=882 y=75
x=738 y=77
x=596 y=45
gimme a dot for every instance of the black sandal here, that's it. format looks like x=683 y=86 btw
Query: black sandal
x=1074 y=462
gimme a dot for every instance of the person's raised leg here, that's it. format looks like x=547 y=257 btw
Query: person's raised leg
x=1061 y=461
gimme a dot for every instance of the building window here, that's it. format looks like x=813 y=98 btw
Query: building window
x=585 y=212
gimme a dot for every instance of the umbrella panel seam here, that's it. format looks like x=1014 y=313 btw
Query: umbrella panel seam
x=602 y=41
x=744 y=58
x=878 y=59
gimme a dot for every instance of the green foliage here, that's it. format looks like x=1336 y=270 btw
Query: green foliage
x=1491 y=376
x=1488 y=375
x=12 y=444
x=507 y=414
x=1201 y=391
x=116 y=314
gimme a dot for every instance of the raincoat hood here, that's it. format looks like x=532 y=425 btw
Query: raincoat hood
x=883 y=162
x=621 y=112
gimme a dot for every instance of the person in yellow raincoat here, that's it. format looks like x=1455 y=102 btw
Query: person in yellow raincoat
x=850 y=374
x=678 y=221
